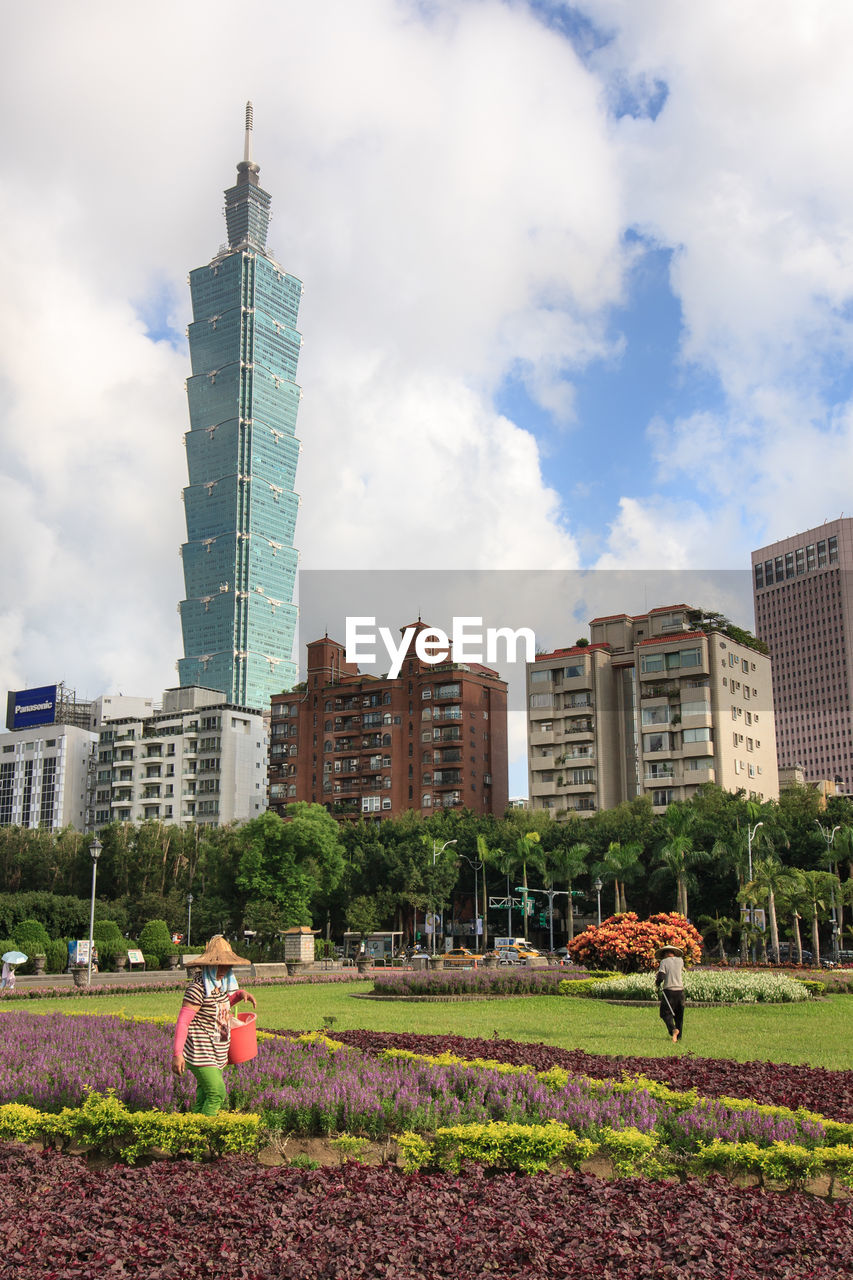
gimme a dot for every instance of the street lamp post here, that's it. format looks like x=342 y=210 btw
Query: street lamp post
x=750 y=836
x=829 y=839
x=477 y=866
x=598 y=886
x=435 y=852
x=189 y=917
x=95 y=850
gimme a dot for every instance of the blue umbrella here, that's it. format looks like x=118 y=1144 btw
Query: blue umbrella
x=14 y=957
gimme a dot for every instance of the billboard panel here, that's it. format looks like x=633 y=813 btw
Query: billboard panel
x=28 y=707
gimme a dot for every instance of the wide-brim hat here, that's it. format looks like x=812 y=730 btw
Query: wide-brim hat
x=217 y=952
x=670 y=950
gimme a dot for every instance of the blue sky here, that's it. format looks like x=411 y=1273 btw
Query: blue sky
x=578 y=285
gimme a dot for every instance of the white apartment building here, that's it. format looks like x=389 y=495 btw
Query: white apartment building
x=44 y=774
x=649 y=707
x=198 y=760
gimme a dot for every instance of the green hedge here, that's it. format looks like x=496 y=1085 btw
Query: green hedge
x=535 y=1148
x=104 y=1125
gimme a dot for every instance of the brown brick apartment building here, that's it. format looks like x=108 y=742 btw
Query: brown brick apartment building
x=433 y=738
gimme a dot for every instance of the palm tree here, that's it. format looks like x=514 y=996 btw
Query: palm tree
x=722 y=927
x=820 y=886
x=793 y=900
x=570 y=862
x=733 y=852
x=620 y=863
x=528 y=849
x=504 y=862
x=677 y=855
x=769 y=876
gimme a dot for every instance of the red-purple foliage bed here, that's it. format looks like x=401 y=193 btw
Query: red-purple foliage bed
x=776 y=1083
x=180 y=1221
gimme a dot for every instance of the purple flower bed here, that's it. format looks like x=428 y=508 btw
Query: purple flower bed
x=53 y=1061
x=508 y=981
x=127 y=989
x=830 y=1093
x=305 y=1087
x=233 y=1219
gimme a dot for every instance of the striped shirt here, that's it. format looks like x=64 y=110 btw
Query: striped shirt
x=209 y=1033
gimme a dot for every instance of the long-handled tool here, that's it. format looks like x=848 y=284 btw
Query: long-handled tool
x=669 y=1006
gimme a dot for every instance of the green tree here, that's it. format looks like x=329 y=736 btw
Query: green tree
x=619 y=865
x=769 y=878
x=285 y=862
x=569 y=862
x=820 y=886
x=722 y=928
x=677 y=855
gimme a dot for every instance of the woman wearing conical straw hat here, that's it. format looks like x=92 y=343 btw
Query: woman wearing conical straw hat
x=203 y=1031
x=670 y=981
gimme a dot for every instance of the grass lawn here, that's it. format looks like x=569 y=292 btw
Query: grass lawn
x=818 y=1033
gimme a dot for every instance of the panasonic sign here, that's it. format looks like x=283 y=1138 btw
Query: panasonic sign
x=29 y=707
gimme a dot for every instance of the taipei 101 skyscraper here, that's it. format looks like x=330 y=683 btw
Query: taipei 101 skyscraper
x=238 y=617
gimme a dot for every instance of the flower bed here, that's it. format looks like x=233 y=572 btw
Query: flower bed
x=706 y=987
x=775 y=1083
x=314 y=1086
x=126 y=989
x=163 y=1221
x=511 y=980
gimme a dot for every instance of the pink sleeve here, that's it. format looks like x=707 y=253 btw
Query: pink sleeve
x=236 y=996
x=185 y=1017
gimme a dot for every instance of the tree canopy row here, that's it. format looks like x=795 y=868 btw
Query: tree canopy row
x=271 y=874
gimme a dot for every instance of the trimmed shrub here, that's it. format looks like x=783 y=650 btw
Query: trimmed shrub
x=107 y=931
x=156 y=940
x=57 y=955
x=152 y=960
x=32 y=937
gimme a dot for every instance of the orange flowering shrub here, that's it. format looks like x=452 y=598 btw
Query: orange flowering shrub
x=629 y=944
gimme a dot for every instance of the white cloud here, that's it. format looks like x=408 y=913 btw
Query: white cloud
x=443 y=182
x=447 y=183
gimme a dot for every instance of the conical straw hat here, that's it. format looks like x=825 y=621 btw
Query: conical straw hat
x=217 y=952
x=669 y=950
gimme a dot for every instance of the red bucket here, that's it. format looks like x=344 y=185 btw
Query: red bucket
x=244 y=1038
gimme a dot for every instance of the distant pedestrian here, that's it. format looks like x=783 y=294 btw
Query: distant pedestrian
x=669 y=980
x=7 y=980
x=203 y=1031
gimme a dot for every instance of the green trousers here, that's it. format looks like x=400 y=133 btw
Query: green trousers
x=210 y=1090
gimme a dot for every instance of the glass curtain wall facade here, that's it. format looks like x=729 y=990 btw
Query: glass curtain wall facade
x=238 y=617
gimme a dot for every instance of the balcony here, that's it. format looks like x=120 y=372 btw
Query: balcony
x=668 y=689
x=576 y=705
x=579 y=729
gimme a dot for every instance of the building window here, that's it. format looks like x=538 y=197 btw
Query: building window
x=663 y=796
x=541 y=700
x=759 y=576
x=370 y=804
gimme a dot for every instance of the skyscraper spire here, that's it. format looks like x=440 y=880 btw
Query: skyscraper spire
x=247 y=147
x=247 y=205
